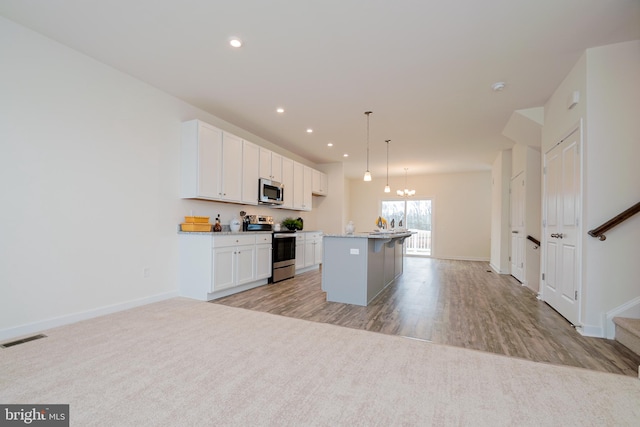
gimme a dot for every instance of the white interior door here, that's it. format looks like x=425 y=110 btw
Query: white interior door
x=517 y=227
x=561 y=227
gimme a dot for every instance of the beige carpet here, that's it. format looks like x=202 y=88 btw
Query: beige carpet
x=187 y=363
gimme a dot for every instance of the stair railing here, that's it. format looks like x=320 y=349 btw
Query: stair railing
x=621 y=217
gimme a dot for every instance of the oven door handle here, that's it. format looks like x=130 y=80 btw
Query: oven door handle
x=283 y=236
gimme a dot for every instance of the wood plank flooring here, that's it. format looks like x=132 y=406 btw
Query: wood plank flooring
x=458 y=303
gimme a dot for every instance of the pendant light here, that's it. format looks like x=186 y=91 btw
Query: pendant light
x=367 y=174
x=406 y=192
x=387 y=189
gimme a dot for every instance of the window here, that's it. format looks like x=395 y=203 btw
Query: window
x=415 y=215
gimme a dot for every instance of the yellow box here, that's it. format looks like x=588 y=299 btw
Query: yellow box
x=196 y=219
x=195 y=227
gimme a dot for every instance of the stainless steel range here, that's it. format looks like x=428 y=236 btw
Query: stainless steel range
x=284 y=255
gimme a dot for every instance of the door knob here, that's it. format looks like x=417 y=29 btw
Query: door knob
x=557 y=235
x=515 y=231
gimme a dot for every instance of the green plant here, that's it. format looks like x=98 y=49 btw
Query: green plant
x=292 y=224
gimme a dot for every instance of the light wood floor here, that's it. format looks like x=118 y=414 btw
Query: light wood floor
x=458 y=303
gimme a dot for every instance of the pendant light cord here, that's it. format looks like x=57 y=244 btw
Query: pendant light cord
x=368 y=113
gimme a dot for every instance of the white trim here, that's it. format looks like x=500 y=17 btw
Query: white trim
x=628 y=309
x=31 y=328
x=590 y=331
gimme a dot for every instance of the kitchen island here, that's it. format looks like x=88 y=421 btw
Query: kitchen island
x=357 y=267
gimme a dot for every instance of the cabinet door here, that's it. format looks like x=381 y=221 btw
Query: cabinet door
x=263 y=261
x=287 y=181
x=309 y=254
x=299 y=254
x=246 y=256
x=209 y=152
x=298 y=185
x=307 y=196
x=224 y=266
x=231 y=166
x=250 y=173
x=276 y=167
x=265 y=163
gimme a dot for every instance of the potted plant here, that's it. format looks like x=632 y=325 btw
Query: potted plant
x=291 y=224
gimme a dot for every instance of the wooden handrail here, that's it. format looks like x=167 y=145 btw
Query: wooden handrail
x=534 y=240
x=621 y=217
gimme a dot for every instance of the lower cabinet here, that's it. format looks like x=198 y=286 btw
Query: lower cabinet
x=215 y=266
x=308 y=250
x=233 y=266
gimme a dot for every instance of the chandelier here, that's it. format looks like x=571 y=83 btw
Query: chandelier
x=406 y=192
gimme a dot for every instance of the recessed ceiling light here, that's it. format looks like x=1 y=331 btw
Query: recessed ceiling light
x=280 y=110
x=330 y=144
x=345 y=155
x=235 y=42
x=309 y=130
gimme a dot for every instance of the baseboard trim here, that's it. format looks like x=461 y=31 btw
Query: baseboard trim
x=39 y=326
x=497 y=270
x=590 y=331
x=457 y=258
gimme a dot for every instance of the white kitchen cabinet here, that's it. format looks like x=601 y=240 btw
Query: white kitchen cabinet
x=234 y=261
x=270 y=165
x=308 y=250
x=213 y=266
x=300 y=247
x=319 y=183
x=230 y=165
x=312 y=249
x=287 y=182
x=307 y=195
x=302 y=197
x=211 y=163
x=263 y=256
x=201 y=147
x=250 y=173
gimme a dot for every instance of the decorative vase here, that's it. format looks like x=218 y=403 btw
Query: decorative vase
x=350 y=228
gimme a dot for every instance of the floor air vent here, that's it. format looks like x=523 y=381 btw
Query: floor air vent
x=22 y=341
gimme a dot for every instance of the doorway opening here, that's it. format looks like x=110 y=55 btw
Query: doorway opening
x=416 y=216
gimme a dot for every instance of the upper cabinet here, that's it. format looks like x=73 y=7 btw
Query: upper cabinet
x=250 y=173
x=219 y=166
x=211 y=163
x=319 y=183
x=270 y=165
x=287 y=182
x=302 y=199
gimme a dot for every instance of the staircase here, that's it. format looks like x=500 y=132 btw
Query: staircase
x=628 y=333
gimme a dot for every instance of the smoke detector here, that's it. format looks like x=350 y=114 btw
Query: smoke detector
x=498 y=86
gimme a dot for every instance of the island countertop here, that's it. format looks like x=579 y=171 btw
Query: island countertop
x=375 y=235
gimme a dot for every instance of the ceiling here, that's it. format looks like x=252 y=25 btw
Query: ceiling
x=424 y=68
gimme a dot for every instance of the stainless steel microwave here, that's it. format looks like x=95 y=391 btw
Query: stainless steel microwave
x=271 y=192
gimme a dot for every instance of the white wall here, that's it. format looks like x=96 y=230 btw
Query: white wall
x=500 y=213
x=608 y=79
x=461 y=210
x=89 y=165
x=612 y=180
